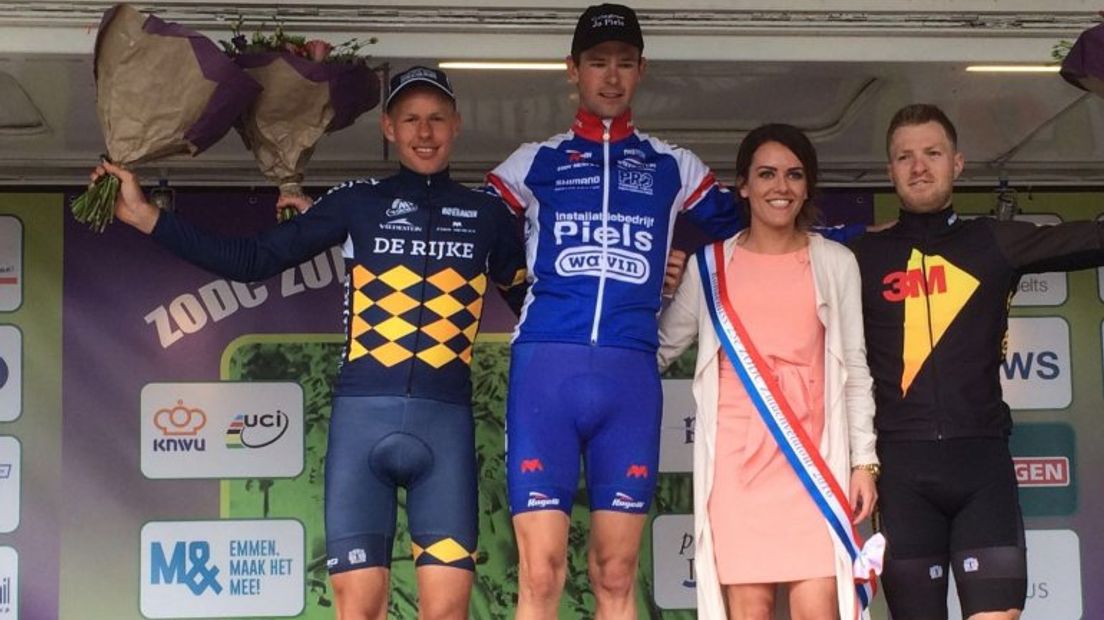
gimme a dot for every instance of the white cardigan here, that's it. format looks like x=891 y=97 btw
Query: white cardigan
x=848 y=436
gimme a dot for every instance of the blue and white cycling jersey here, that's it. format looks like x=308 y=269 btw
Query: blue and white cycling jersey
x=599 y=204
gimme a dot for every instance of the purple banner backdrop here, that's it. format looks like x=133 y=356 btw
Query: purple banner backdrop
x=135 y=314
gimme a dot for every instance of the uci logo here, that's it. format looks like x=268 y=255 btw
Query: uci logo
x=256 y=430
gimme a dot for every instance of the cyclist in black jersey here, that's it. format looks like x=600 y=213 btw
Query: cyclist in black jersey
x=419 y=250
x=936 y=294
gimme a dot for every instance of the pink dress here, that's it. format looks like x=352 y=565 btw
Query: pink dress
x=765 y=526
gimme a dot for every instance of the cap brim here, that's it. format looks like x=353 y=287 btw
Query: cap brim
x=417 y=82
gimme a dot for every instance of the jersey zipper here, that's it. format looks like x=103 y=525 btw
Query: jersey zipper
x=428 y=202
x=605 y=222
x=931 y=332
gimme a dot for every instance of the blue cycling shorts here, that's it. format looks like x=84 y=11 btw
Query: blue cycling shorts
x=380 y=443
x=568 y=401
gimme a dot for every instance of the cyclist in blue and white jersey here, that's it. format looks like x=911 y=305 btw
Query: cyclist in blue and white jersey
x=599 y=203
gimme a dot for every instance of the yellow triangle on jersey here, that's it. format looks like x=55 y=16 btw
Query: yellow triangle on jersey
x=944 y=292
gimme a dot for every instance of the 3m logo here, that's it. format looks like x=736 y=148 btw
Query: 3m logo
x=1042 y=471
x=531 y=465
x=904 y=284
x=934 y=291
x=637 y=471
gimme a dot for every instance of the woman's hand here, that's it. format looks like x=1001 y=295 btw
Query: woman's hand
x=864 y=494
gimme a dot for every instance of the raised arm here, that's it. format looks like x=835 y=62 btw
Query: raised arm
x=240 y=258
x=1060 y=247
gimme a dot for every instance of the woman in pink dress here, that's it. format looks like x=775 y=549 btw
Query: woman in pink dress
x=797 y=294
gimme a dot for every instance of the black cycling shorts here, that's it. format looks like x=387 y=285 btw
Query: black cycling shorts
x=379 y=443
x=951 y=503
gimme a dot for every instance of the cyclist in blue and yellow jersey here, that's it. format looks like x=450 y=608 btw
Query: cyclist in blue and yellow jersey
x=419 y=250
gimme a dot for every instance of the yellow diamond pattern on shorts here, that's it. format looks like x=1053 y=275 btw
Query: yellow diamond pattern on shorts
x=448 y=551
x=445 y=305
x=447 y=280
x=465 y=355
x=437 y=355
x=362 y=276
x=394 y=328
x=397 y=303
x=442 y=330
x=400 y=277
x=390 y=354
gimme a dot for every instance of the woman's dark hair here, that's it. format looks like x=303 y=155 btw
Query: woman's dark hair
x=794 y=139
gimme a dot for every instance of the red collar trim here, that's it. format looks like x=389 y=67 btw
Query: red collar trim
x=590 y=127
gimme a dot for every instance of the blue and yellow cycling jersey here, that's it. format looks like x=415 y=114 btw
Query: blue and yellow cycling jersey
x=419 y=251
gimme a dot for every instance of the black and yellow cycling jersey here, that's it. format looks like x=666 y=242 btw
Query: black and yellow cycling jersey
x=419 y=252
x=936 y=296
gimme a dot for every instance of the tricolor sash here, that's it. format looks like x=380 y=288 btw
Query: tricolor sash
x=798 y=448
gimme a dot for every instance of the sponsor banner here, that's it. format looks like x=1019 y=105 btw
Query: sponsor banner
x=676 y=434
x=673 y=561
x=11 y=263
x=222 y=430
x=1045 y=460
x=9 y=584
x=11 y=373
x=219 y=569
x=1035 y=373
x=10 y=487
x=1053 y=578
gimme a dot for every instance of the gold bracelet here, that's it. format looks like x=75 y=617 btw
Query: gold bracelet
x=874 y=469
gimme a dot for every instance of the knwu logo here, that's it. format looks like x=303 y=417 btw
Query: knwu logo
x=188 y=566
x=179 y=427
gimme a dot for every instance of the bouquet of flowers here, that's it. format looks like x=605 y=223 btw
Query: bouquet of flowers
x=310 y=88
x=161 y=90
x=1083 y=65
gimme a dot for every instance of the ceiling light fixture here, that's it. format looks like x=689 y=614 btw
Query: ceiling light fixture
x=504 y=65
x=1013 y=68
